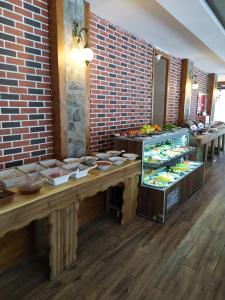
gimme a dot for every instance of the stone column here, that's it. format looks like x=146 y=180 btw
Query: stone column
x=75 y=82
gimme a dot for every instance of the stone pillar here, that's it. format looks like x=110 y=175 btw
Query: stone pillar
x=75 y=82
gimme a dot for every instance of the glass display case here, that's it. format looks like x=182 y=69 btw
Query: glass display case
x=166 y=173
x=169 y=176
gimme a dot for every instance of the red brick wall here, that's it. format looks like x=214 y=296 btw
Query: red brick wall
x=174 y=90
x=25 y=101
x=121 y=82
x=202 y=79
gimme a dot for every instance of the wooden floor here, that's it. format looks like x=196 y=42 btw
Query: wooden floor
x=182 y=259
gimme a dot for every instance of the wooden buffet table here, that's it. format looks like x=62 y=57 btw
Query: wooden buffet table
x=60 y=204
x=202 y=141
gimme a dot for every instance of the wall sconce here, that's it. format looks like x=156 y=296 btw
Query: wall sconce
x=158 y=57
x=194 y=82
x=81 y=37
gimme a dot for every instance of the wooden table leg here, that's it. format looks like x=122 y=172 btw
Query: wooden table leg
x=223 y=142
x=212 y=149
x=219 y=145
x=205 y=152
x=56 y=243
x=63 y=239
x=71 y=229
x=130 y=194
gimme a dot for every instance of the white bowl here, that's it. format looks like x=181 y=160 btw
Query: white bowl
x=57 y=175
x=51 y=163
x=103 y=165
x=130 y=156
x=31 y=169
x=9 y=176
x=114 y=153
x=117 y=160
x=94 y=158
x=103 y=155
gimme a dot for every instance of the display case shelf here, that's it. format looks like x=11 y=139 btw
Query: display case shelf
x=169 y=162
x=181 y=177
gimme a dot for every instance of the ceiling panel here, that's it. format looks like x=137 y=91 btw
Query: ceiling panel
x=218 y=8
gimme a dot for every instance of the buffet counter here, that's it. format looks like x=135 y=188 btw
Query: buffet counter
x=202 y=142
x=60 y=204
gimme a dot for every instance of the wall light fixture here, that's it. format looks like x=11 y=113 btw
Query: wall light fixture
x=80 y=37
x=194 y=82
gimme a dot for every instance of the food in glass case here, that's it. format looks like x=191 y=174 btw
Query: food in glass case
x=169 y=127
x=165 y=176
x=164 y=152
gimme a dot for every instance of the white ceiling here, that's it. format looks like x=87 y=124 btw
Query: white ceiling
x=183 y=28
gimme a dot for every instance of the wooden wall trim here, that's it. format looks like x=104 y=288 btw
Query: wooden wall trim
x=185 y=91
x=57 y=65
x=167 y=82
x=87 y=82
x=212 y=94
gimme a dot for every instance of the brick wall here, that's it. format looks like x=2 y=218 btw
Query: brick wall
x=25 y=101
x=174 y=90
x=202 y=79
x=121 y=82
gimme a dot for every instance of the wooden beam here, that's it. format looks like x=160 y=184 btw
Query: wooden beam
x=185 y=91
x=57 y=64
x=87 y=82
x=167 y=59
x=212 y=94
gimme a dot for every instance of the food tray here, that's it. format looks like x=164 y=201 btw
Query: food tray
x=6 y=197
x=79 y=169
x=8 y=176
x=51 y=163
x=56 y=176
x=31 y=169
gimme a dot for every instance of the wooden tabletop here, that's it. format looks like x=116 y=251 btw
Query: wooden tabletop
x=205 y=138
x=76 y=184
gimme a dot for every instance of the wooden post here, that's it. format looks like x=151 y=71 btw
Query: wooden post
x=185 y=91
x=212 y=95
x=87 y=81
x=130 y=195
x=57 y=64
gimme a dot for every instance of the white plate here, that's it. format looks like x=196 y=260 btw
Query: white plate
x=51 y=163
x=63 y=177
x=117 y=160
x=130 y=156
x=9 y=176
